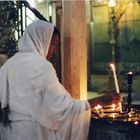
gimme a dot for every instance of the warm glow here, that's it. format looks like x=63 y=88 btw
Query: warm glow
x=113 y=115
x=98 y=107
x=130 y=72
x=113 y=107
x=83 y=84
x=111 y=3
x=130 y=114
x=112 y=65
x=136 y=122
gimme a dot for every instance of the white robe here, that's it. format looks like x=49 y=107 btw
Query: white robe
x=41 y=108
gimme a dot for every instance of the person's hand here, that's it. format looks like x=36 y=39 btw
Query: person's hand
x=106 y=99
x=110 y=98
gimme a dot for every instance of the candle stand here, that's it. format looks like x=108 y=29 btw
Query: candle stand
x=115 y=125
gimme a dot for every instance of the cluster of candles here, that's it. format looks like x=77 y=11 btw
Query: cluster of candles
x=115 y=110
x=111 y=111
x=116 y=83
x=112 y=108
x=112 y=114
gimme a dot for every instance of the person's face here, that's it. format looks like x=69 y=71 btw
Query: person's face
x=53 y=46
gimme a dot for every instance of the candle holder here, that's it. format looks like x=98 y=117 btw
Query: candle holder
x=129 y=86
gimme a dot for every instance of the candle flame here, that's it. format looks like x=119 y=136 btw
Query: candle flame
x=130 y=114
x=136 y=122
x=98 y=107
x=113 y=115
x=113 y=107
x=116 y=82
x=130 y=72
x=112 y=65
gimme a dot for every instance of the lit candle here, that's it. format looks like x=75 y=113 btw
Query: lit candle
x=136 y=122
x=113 y=107
x=98 y=107
x=113 y=115
x=115 y=78
x=116 y=83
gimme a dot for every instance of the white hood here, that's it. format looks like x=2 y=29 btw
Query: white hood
x=36 y=38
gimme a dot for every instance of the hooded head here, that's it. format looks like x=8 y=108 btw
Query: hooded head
x=37 y=38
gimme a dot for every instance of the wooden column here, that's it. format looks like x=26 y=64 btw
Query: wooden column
x=74 y=48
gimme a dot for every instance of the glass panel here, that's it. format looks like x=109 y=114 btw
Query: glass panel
x=117 y=31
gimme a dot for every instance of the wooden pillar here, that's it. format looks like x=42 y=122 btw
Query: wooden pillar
x=74 y=48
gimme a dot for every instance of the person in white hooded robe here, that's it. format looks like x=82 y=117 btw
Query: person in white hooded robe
x=40 y=107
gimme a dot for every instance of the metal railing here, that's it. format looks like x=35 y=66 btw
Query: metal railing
x=23 y=17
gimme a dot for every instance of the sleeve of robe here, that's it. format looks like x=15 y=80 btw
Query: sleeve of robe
x=35 y=93
x=57 y=110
